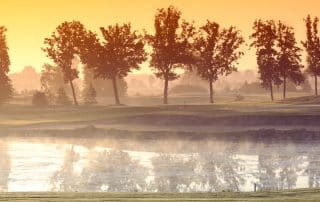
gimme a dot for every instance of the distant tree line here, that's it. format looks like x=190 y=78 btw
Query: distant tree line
x=210 y=50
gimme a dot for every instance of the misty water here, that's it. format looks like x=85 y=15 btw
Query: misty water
x=121 y=165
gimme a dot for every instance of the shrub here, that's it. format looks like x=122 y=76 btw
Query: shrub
x=39 y=99
x=62 y=97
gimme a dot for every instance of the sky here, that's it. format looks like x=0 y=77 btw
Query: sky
x=30 y=21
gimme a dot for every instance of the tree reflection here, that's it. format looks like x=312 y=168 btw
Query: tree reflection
x=201 y=172
x=113 y=171
x=116 y=171
x=173 y=173
x=313 y=168
x=289 y=168
x=279 y=169
x=5 y=166
x=66 y=179
x=221 y=172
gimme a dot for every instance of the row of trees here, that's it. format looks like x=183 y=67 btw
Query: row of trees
x=210 y=50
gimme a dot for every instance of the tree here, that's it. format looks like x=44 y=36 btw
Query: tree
x=39 y=99
x=103 y=87
x=218 y=51
x=6 y=89
x=289 y=58
x=312 y=46
x=120 y=53
x=51 y=80
x=62 y=98
x=265 y=39
x=62 y=47
x=171 y=45
x=89 y=95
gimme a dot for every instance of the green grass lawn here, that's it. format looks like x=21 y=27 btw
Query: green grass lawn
x=295 y=195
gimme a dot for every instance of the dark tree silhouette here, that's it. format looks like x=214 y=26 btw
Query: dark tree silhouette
x=289 y=57
x=62 y=47
x=265 y=39
x=312 y=46
x=218 y=51
x=6 y=89
x=121 y=52
x=171 y=45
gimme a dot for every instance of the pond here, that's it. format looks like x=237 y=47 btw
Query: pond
x=123 y=165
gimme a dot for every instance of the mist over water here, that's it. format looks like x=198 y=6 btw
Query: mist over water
x=179 y=165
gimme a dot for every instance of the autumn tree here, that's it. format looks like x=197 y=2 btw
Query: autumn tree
x=312 y=46
x=265 y=41
x=6 y=89
x=289 y=58
x=217 y=51
x=62 y=47
x=121 y=51
x=171 y=45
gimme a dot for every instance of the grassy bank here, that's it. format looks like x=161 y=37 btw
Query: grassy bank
x=295 y=195
x=229 y=114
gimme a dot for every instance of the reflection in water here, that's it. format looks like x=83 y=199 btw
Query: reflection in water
x=4 y=166
x=235 y=167
x=173 y=173
x=112 y=171
x=313 y=169
x=65 y=179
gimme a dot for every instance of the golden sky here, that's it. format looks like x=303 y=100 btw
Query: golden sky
x=30 y=21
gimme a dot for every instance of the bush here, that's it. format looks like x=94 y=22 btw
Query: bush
x=39 y=99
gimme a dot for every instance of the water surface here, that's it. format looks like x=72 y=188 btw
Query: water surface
x=117 y=165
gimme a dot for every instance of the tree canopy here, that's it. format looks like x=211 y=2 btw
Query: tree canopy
x=217 y=51
x=6 y=89
x=171 y=45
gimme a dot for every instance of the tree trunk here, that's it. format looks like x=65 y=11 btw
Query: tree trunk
x=211 y=91
x=115 y=91
x=284 y=86
x=73 y=94
x=271 y=91
x=165 y=91
x=316 y=85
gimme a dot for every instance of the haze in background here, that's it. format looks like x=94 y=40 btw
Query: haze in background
x=30 y=21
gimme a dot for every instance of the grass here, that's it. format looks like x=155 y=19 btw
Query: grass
x=25 y=115
x=287 y=196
